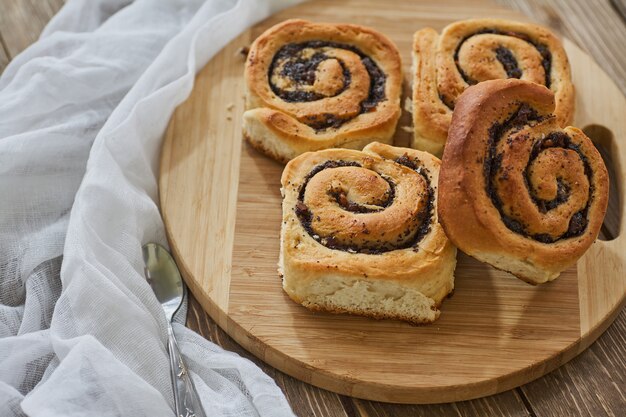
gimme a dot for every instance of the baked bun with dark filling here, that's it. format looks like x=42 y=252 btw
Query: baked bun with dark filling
x=312 y=86
x=360 y=233
x=516 y=190
x=472 y=51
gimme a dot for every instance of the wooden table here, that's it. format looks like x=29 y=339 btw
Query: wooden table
x=593 y=384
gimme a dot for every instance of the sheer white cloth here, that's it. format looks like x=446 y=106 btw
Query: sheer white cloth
x=82 y=113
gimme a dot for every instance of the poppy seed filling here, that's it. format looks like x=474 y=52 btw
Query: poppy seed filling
x=424 y=216
x=505 y=57
x=291 y=62
x=522 y=116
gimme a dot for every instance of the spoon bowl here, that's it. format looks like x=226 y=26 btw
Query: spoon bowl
x=164 y=277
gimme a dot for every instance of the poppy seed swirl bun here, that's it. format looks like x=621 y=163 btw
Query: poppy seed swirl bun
x=360 y=233
x=312 y=86
x=472 y=51
x=515 y=190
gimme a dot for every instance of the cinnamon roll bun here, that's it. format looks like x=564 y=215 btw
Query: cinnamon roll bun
x=314 y=86
x=360 y=233
x=515 y=190
x=471 y=51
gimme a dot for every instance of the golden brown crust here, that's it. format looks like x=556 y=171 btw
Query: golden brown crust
x=289 y=128
x=333 y=309
x=439 y=59
x=423 y=269
x=431 y=117
x=525 y=171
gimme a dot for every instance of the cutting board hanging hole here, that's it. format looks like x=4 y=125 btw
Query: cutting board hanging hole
x=604 y=140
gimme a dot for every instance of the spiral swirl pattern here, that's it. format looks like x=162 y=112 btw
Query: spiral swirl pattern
x=313 y=86
x=501 y=54
x=474 y=51
x=538 y=192
x=347 y=205
x=320 y=71
x=542 y=184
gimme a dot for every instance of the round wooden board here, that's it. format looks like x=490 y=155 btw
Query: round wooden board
x=222 y=209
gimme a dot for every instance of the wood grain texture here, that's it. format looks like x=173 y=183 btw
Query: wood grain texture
x=590 y=385
x=505 y=404
x=4 y=56
x=620 y=8
x=21 y=21
x=494 y=334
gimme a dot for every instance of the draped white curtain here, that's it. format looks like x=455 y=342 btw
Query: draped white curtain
x=82 y=113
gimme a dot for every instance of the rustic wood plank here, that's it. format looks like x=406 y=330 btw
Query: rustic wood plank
x=590 y=385
x=21 y=21
x=620 y=7
x=4 y=57
x=592 y=24
x=508 y=403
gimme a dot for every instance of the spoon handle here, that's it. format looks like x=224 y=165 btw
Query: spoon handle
x=186 y=400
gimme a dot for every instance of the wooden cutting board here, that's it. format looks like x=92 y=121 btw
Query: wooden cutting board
x=222 y=208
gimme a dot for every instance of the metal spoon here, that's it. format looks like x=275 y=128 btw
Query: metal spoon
x=164 y=278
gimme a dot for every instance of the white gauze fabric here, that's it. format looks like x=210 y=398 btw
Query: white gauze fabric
x=82 y=114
